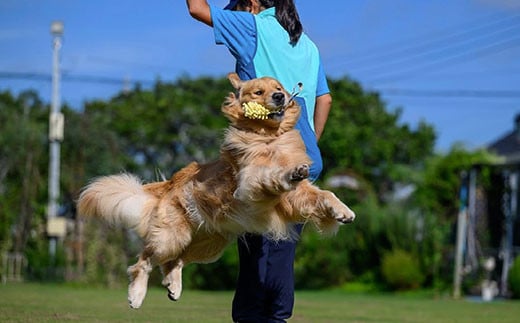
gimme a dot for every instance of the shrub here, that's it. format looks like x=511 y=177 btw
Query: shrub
x=514 y=278
x=401 y=271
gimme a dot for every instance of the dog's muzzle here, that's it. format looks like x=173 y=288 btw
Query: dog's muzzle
x=278 y=99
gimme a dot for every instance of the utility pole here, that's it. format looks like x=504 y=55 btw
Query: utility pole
x=462 y=221
x=56 y=121
x=510 y=209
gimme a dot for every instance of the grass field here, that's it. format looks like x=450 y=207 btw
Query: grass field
x=57 y=303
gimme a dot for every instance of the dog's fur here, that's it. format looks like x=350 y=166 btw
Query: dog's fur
x=257 y=185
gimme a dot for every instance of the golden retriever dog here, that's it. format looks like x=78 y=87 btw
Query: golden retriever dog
x=259 y=184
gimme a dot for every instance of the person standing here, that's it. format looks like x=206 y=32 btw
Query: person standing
x=266 y=38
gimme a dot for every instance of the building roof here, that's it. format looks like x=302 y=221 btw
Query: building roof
x=508 y=146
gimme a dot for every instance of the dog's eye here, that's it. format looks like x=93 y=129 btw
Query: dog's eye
x=279 y=88
x=259 y=92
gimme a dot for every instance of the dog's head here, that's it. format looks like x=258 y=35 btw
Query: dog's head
x=261 y=105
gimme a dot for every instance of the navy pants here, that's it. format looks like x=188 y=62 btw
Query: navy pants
x=265 y=286
x=265 y=292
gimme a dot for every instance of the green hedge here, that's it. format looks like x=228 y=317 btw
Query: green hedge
x=401 y=271
x=514 y=278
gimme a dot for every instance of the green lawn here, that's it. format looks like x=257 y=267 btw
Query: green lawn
x=52 y=303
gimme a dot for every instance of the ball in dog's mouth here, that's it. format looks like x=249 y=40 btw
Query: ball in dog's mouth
x=254 y=110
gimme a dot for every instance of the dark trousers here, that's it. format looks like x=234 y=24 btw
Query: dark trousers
x=265 y=288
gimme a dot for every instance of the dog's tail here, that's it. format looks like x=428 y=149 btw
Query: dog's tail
x=117 y=199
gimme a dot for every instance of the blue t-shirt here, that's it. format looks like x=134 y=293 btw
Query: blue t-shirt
x=262 y=47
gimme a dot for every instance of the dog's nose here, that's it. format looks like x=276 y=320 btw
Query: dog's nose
x=279 y=98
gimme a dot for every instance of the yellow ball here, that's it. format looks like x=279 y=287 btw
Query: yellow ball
x=254 y=110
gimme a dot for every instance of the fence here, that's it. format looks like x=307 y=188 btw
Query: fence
x=13 y=265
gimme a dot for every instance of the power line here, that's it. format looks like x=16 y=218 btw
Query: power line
x=105 y=80
x=73 y=78
x=500 y=94
x=400 y=47
x=26 y=76
x=439 y=50
x=404 y=60
x=495 y=94
x=119 y=61
x=443 y=63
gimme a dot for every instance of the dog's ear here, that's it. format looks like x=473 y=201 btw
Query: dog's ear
x=235 y=80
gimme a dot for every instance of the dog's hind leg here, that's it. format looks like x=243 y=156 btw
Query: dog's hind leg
x=172 y=278
x=204 y=248
x=138 y=275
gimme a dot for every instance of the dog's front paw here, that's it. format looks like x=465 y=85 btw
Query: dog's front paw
x=299 y=173
x=344 y=216
x=337 y=210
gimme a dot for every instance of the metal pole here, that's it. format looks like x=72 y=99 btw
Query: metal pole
x=461 y=237
x=55 y=134
x=509 y=212
x=471 y=243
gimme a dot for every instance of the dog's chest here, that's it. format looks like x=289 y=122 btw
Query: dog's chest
x=288 y=146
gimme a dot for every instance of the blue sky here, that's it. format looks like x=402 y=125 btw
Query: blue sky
x=452 y=63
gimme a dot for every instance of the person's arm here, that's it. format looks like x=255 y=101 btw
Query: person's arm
x=199 y=9
x=321 y=113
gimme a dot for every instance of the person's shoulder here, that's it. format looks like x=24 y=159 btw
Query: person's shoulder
x=306 y=37
x=217 y=11
x=232 y=19
x=305 y=40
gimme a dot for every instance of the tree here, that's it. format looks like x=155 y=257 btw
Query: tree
x=153 y=133
x=169 y=126
x=362 y=136
x=22 y=151
x=438 y=188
